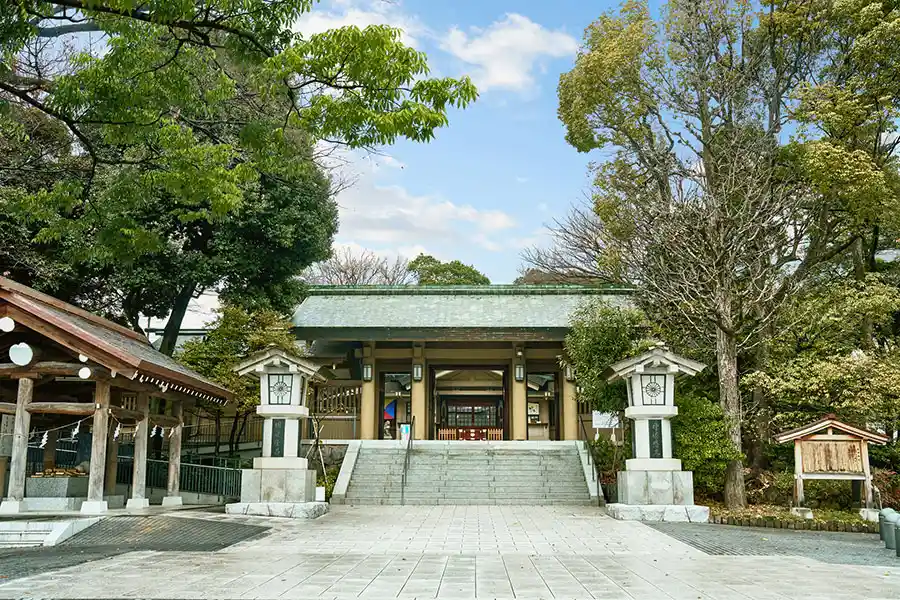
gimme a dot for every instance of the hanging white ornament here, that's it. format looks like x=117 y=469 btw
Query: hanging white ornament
x=171 y=431
x=116 y=432
x=136 y=427
x=75 y=431
x=44 y=440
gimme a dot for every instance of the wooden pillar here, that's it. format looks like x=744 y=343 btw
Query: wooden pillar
x=95 y=502
x=19 y=460
x=6 y=439
x=50 y=450
x=112 y=461
x=798 y=474
x=417 y=398
x=519 y=412
x=138 y=498
x=868 y=473
x=570 y=414
x=368 y=419
x=173 y=488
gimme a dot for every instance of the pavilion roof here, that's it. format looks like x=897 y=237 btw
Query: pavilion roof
x=117 y=348
x=831 y=421
x=353 y=312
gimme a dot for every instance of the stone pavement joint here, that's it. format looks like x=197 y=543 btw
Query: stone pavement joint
x=454 y=552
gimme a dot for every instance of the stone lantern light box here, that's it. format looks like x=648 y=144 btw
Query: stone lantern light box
x=653 y=477
x=279 y=484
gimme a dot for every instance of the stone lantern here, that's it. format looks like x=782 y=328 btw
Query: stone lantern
x=653 y=487
x=280 y=484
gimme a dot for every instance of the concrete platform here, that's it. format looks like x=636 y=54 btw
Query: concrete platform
x=288 y=510
x=670 y=513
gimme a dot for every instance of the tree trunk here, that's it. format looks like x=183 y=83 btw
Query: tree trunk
x=860 y=262
x=762 y=416
x=233 y=433
x=240 y=432
x=730 y=399
x=173 y=325
x=218 y=432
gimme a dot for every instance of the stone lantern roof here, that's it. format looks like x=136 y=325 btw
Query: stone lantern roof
x=657 y=357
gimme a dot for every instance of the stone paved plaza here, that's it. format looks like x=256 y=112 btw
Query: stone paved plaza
x=454 y=552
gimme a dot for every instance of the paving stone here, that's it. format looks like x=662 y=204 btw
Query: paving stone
x=438 y=552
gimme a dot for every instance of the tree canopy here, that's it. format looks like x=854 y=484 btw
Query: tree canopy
x=430 y=271
x=150 y=151
x=749 y=172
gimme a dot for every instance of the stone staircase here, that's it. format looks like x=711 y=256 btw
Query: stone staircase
x=27 y=533
x=24 y=534
x=525 y=473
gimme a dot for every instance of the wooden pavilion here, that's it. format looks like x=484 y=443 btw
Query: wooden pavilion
x=60 y=364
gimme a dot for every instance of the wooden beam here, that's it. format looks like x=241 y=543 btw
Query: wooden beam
x=126 y=414
x=164 y=420
x=7 y=408
x=62 y=408
x=47 y=367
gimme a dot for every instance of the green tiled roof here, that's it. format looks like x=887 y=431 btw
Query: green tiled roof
x=494 y=306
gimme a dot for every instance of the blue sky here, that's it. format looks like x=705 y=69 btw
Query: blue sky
x=489 y=183
x=487 y=186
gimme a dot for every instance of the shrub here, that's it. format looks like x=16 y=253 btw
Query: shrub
x=888 y=483
x=701 y=442
x=329 y=481
x=770 y=487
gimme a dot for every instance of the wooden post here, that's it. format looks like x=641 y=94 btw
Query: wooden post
x=95 y=502
x=139 y=474
x=50 y=450
x=864 y=450
x=368 y=415
x=798 y=474
x=173 y=489
x=19 y=459
x=112 y=461
x=570 y=414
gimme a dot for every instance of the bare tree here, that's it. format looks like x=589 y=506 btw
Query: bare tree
x=346 y=267
x=574 y=251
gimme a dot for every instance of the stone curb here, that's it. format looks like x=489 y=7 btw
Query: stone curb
x=801 y=525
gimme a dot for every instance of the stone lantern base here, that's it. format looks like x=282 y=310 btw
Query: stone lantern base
x=657 y=496
x=278 y=487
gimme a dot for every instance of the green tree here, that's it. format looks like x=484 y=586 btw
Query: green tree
x=193 y=130
x=430 y=271
x=232 y=336
x=600 y=335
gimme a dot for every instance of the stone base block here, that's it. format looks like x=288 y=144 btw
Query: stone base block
x=280 y=462
x=288 y=510
x=94 y=507
x=11 y=507
x=804 y=513
x=289 y=486
x=173 y=501
x=137 y=503
x=670 y=513
x=658 y=488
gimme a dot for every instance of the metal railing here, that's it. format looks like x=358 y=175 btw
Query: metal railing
x=200 y=479
x=409 y=444
x=592 y=462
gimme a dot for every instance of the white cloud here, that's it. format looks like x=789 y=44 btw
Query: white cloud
x=521 y=180
x=389 y=218
x=362 y=13
x=506 y=54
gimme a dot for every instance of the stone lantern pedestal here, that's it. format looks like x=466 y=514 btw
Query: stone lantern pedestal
x=280 y=484
x=653 y=487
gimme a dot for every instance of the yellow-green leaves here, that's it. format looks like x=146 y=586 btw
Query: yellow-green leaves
x=606 y=86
